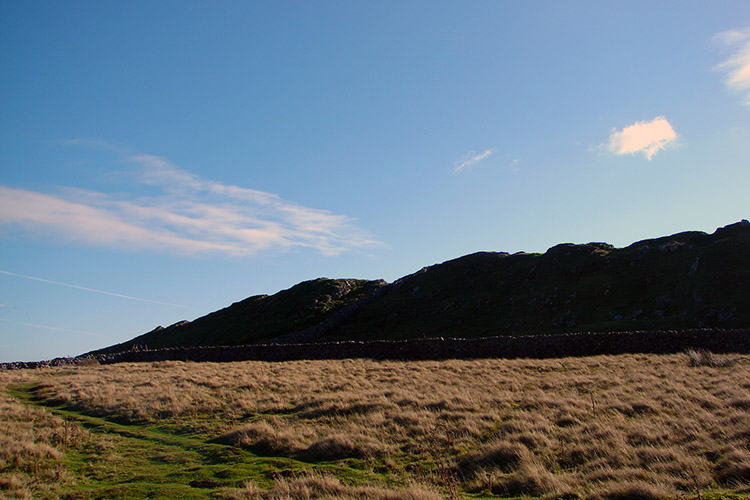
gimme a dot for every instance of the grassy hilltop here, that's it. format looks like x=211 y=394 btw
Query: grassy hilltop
x=687 y=280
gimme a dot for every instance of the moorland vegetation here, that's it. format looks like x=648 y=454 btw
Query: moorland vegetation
x=601 y=427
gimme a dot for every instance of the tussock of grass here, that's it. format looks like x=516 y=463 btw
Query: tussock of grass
x=734 y=468
x=702 y=357
x=634 y=490
x=740 y=403
x=327 y=487
x=501 y=454
x=338 y=446
x=270 y=440
x=265 y=439
x=529 y=479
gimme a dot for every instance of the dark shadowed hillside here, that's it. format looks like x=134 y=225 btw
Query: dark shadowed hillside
x=687 y=280
x=259 y=318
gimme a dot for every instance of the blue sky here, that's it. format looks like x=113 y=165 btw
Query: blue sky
x=161 y=160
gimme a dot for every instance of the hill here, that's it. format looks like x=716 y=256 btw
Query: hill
x=260 y=318
x=687 y=280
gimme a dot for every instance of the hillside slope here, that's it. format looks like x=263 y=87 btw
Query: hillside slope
x=259 y=318
x=687 y=280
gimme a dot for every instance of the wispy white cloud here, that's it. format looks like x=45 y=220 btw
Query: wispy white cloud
x=470 y=159
x=737 y=65
x=86 y=289
x=642 y=137
x=190 y=215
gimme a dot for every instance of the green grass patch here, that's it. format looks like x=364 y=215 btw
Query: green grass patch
x=157 y=461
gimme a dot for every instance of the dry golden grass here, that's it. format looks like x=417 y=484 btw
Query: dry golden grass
x=629 y=426
x=31 y=443
x=327 y=487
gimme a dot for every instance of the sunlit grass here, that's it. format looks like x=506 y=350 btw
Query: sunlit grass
x=596 y=427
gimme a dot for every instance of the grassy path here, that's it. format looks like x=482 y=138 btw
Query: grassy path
x=148 y=461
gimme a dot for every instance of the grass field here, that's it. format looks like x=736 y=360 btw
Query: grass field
x=605 y=427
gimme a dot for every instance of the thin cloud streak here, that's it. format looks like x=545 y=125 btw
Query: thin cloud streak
x=190 y=216
x=470 y=159
x=737 y=66
x=86 y=289
x=54 y=328
x=642 y=137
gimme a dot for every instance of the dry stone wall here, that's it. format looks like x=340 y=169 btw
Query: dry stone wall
x=527 y=346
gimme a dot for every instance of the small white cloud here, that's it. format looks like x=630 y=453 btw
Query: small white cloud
x=737 y=66
x=470 y=159
x=642 y=137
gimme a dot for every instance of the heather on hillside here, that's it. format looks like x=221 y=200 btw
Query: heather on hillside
x=627 y=426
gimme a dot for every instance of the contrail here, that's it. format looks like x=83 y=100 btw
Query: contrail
x=94 y=290
x=54 y=328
